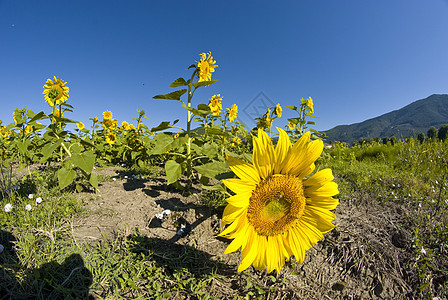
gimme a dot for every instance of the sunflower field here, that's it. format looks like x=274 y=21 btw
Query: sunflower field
x=102 y=209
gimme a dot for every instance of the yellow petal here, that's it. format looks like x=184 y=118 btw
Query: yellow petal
x=240 y=236
x=319 y=179
x=296 y=245
x=296 y=153
x=281 y=150
x=263 y=154
x=308 y=234
x=231 y=213
x=312 y=153
x=243 y=170
x=319 y=218
x=327 y=190
x=238 y=185
x=323 y=202
x=250 y=251
x=260 y=261
x=239 y=200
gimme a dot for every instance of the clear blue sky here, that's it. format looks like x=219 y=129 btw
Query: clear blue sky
x=356 y=59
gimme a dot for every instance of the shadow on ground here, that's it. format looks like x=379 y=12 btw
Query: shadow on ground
x=68 y=280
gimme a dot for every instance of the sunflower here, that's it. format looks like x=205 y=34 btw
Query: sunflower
x=215 y=104
x=55 y=91
x=206 y=66
x=309 y=103
x=276 y=212
x=107 y=115
x=232 y=112
x=291 y=125
x=278 y=110
x=28 y=129
x=80 y=125
x=110 y=123
x=111 y=138
x=124 y=125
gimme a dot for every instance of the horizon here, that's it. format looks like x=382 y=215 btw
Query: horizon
x=356 y=61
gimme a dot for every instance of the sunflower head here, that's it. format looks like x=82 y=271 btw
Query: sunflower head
x=124 y=125
x=206 y=66
x=232 y=112
x=111 y=138
x=291 y=125
x=28 y=129
x=309 y=103
x=80 y=125
x=107 y=115
x=278 y=110
x=55 y=91
x=215 y=104
x=278 y=209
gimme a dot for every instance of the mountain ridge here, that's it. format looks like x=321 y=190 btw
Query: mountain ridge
x=405 y=122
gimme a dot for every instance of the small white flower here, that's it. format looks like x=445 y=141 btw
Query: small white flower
x=423 y=251
x=28 y=207
x=420 y=205
x=8 y=207
x=38 y=200
x=94 y=168
x=1 y=248
x=30 y=196
x=114 y=179
x=126 y=177
x=123 y=165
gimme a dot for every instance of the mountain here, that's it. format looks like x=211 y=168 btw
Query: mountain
x=416 y=117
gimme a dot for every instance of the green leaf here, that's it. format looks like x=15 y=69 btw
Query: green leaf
x=65 y=177
x=23 y=146
x=291 y=107
x=199 y=112
x=84 y=161
x=162 y=143
x=178 y=82
x=93 y=180
x=171 y=96
x=162 y=126
x=210 y=150
x=49 y=149
x=173 y=171
x=212 y=169
x=216 y=131
x=203 y=83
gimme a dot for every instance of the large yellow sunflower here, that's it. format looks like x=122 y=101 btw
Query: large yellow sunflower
x=233 y=112
x=215 y=104
x=278 y=211
x=278 y=110
x=111 y=138
x=206 y=66
x=55 y=91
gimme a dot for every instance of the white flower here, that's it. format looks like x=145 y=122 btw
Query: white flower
x=423 y=251
x=420 y=205
x=30 y=196
x=8 y=207
x=28 y=207
x=38 y=200
x=114 y=179
x=126 y=177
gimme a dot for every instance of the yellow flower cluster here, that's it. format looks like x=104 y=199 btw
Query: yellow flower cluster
x=232 y=112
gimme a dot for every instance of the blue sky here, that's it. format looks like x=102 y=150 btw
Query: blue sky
x=356 y=59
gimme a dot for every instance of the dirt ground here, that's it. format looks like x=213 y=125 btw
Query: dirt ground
x=367 y=256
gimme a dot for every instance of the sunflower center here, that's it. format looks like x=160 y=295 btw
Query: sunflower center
x=276 y=204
